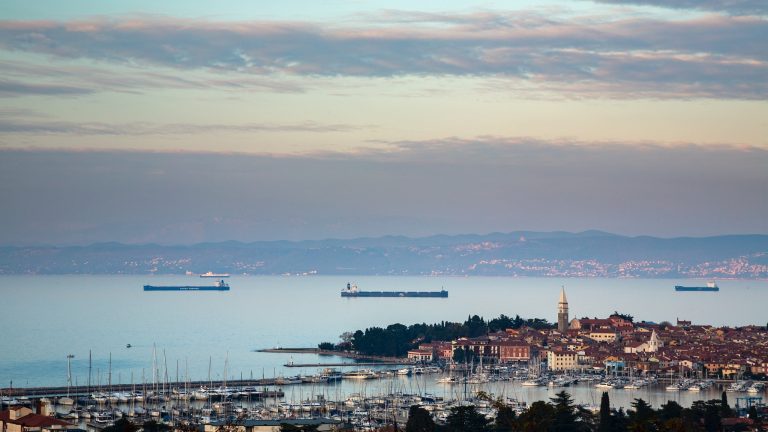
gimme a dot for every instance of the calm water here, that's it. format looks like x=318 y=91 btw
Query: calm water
x=44 y=318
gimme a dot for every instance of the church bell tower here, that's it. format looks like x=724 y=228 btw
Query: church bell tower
x=562 y=312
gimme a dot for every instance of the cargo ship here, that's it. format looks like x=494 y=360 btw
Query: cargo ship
x=711 y=286
x=214 y=275
x=220 y=286
x=352 y=291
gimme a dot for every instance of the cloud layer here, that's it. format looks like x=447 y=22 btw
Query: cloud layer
x=604 y=55
x=736 y=7
x=52 y=127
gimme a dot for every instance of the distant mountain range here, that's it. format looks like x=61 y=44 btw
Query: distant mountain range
x=521 y=253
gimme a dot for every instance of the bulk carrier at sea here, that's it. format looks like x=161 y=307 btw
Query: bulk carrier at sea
x=711 y=286
x=352 y=291
x=220 y=286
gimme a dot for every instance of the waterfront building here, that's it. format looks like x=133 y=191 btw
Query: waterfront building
x=514 y=351
x=562 y=312
x=421 y=355
x=23 y=419
x=561 y=359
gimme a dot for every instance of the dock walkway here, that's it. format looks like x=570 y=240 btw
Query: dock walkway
x=374 y=359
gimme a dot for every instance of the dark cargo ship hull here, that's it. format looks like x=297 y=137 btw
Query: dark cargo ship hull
x=185 y=288
x=433 y=294
x=686 y=288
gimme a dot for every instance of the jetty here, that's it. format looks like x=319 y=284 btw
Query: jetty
x=291 y=364
x=373 y=359
x=85 y=391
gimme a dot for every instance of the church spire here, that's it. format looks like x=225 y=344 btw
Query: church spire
x=563 y=300
x=653 y=344
x=562 y=312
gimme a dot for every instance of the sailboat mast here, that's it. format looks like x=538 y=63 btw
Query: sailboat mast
x=69 y=372
x=109 y=379
x=90 y=366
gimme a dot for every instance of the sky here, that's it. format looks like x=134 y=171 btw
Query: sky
x=180 y=122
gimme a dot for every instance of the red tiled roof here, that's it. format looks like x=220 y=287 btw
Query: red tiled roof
x=32 y=420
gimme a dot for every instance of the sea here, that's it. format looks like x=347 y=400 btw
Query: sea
x=199 y=335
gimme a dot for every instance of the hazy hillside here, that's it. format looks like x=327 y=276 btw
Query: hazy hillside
x=590 y=253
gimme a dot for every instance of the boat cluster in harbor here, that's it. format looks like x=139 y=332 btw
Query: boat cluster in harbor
x=331 y=375
x=323 y=396
x=747 y=386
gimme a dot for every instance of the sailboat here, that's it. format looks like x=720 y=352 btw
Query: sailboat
x=68 y=400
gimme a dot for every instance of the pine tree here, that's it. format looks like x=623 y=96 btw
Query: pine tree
x=537 y=418
x=670 y=410
x=466 y=419
x=122 y=425
x=419 y=420
x=642 y=416
x=565 y=419
x=505 y=419
x=605 y=414
x=725 y=409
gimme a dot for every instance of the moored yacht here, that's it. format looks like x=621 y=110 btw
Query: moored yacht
x=361 y=374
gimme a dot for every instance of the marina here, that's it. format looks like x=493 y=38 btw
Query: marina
x=369 y=397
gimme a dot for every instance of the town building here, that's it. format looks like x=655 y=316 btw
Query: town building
x=23 y=419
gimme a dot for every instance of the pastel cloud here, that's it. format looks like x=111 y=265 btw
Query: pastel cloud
x=52 y=127
x=12 y=88
x=736 y=7
x=712 y=56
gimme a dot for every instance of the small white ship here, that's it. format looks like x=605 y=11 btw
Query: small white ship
x=214 y=275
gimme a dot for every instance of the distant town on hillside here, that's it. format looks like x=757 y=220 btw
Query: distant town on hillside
x=547 y=254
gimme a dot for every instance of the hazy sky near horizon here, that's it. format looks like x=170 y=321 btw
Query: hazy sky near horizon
x=189 y=121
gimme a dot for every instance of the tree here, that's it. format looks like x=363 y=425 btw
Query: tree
x=627 y=317
x=505 y=415
x=506 y=419
x=712 y=419
x=641 y=417
x=619 y=420
x=501 y=323
x=537 y=418
x=670 y=410
x=709 y=413
x=419 y=420
x=605 y=413
x=725 y=409
x=326 y=346
x=287 y=427
x=476 y=326
x=466 y=419
x=122 y=425
x=565 y=418
x=752 y=415
x=153 y=426
x=346 y=337
x=186 y=426
x=463 y=355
